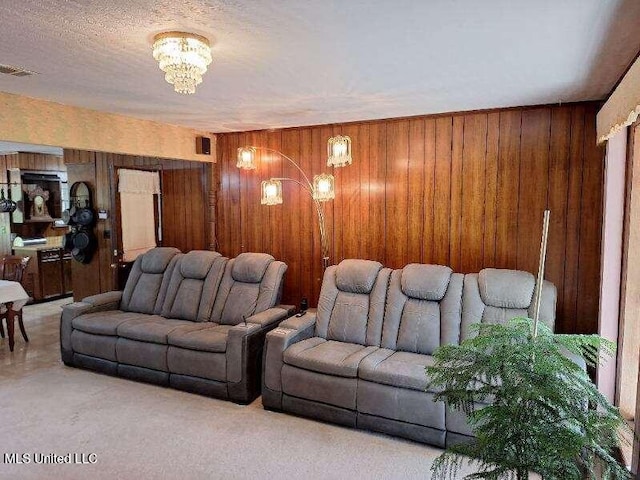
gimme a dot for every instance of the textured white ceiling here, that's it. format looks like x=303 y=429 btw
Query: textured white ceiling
x=293 y=62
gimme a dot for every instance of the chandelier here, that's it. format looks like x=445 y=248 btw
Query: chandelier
x=184 y=57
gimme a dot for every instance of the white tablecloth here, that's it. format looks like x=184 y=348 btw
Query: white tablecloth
x=13 y=292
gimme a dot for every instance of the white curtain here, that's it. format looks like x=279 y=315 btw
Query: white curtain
x=137 y=188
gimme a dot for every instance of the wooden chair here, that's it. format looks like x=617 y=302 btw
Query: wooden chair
x=12 y=268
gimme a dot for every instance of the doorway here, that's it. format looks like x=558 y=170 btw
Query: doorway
x=138 y=215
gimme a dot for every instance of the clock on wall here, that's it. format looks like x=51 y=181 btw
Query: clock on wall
x=39 y=198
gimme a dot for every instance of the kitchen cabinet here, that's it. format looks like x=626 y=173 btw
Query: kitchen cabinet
x=48 y=274
x=67 y=287
x=51 y=281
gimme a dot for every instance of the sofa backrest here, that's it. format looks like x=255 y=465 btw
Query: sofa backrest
x=423 y=310
x=352 y=299
x=193 y=286
x=498 y=295
x=148 y=280
x=252 y=283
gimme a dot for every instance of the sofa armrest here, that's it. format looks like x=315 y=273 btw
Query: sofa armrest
x=301 y=323
x=102 y=299
x=71 y=311
x=292 y=330
x=237 y=340
x=271 y=316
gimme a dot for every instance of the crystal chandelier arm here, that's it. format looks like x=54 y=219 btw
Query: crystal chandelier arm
x=290 y=161
x=307 y=188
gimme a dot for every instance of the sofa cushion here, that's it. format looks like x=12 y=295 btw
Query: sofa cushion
x=326 y=356
x=347 y=316
x=506 y=288
x=240 y=304
x=155 y=330
x=413 y=407
x=209 y=337
x=157 y=259
x=252 y=283
x=484 y=291
x=418 y=325
x=196 y=264
x=250 y=267
x=193 y=285
x=144 y=294
x=107 y=322
x=357 y=276
x=209 y=365
x=319 y=387
x=142 y=354
x=425 y=282
x=147 y=282
x=399 y=369
x=100 y=346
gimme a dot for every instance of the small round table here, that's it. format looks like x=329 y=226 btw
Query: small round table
x=12 y=298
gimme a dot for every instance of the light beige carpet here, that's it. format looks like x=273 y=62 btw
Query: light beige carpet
x=140 y=431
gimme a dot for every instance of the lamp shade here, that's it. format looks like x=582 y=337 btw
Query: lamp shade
x=339 y=151
x=246 y=158
x=324 y=187
x=271 y=192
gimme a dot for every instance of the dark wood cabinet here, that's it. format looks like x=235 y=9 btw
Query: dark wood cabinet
x=51 y=280
x=48 y=273
x=67 y=286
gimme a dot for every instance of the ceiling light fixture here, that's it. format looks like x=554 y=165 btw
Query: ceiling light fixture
x=184 y=57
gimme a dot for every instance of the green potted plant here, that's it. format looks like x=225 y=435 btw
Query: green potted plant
x=527 y=405
x=531 y=407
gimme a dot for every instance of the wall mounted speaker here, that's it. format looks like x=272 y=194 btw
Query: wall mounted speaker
x=203 y=145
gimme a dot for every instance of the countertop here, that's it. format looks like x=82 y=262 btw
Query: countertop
x=35 y=248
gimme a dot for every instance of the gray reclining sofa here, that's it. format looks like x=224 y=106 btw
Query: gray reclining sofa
x=194 y=321
x=359 y=359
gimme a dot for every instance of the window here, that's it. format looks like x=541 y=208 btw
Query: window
x=138 y=190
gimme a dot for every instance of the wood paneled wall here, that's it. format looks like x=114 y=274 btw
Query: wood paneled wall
x=466 y=190
x=23 y=161
x=184 y=209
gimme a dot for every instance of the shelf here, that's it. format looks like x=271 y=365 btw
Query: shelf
x=50 y=220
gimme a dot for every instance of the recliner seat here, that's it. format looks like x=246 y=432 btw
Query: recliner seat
x=360 y=359
x=164 y=328
x=318 y=373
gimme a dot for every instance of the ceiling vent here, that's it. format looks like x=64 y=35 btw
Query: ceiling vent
x=15 y=71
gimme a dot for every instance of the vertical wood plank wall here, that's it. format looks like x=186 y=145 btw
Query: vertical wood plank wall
x=466 y=190
x=184 y=209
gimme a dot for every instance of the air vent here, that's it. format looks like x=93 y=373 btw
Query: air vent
x=15 y=71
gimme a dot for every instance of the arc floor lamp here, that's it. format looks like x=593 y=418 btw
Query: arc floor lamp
x=321 y=189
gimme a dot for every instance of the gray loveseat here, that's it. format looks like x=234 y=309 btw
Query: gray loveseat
x=193 y=321
x=359 y=359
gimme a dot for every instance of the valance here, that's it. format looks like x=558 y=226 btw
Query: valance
x=623 y=106
x=138 y=181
